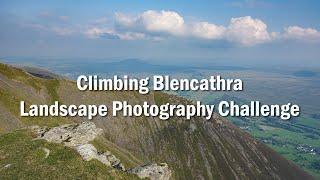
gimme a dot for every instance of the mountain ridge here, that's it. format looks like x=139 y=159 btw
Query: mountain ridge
x=193 y=148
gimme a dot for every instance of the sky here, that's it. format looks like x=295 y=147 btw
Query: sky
x=239 y=32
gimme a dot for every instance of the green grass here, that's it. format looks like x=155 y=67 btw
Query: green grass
x=284 y=136
x=19 y=75
x=159 y=98
x=52 y=86
x=315 y=123
x=286 y=142
x=27 y=161
x=10 y=97
x=12 y=103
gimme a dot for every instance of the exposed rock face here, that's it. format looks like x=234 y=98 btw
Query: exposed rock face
x=71 y=135
x=152 y=171
x=89 y=152
x=78 y=137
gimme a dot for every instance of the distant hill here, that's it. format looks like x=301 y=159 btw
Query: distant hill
x=130 y=66
x=193 y=149
x=127 y=66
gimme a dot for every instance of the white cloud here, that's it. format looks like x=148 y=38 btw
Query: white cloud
x=159 y=25
x=167 y=22
x=303 y=34
x=163 y=21
x=125 y=20
x=153 y=21
x=96 y=32
x=206 y=30
x=131 y=36
x=243 y=30
x=247 y=31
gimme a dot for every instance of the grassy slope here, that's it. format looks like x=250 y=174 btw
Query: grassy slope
x=26 y=156
x=226 y=144
x=27 y=161
x=283 y=136
x=17 y=86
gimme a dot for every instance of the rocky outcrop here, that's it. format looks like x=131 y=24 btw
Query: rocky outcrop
x=71 y=135
x=78 y=137
x=89 y=152
x=152 y=171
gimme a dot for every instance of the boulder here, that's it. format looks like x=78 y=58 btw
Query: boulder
x=70 y=134
x=89 y=152
x=152 y=171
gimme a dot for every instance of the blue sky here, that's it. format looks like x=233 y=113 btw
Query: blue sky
x=239 y=31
